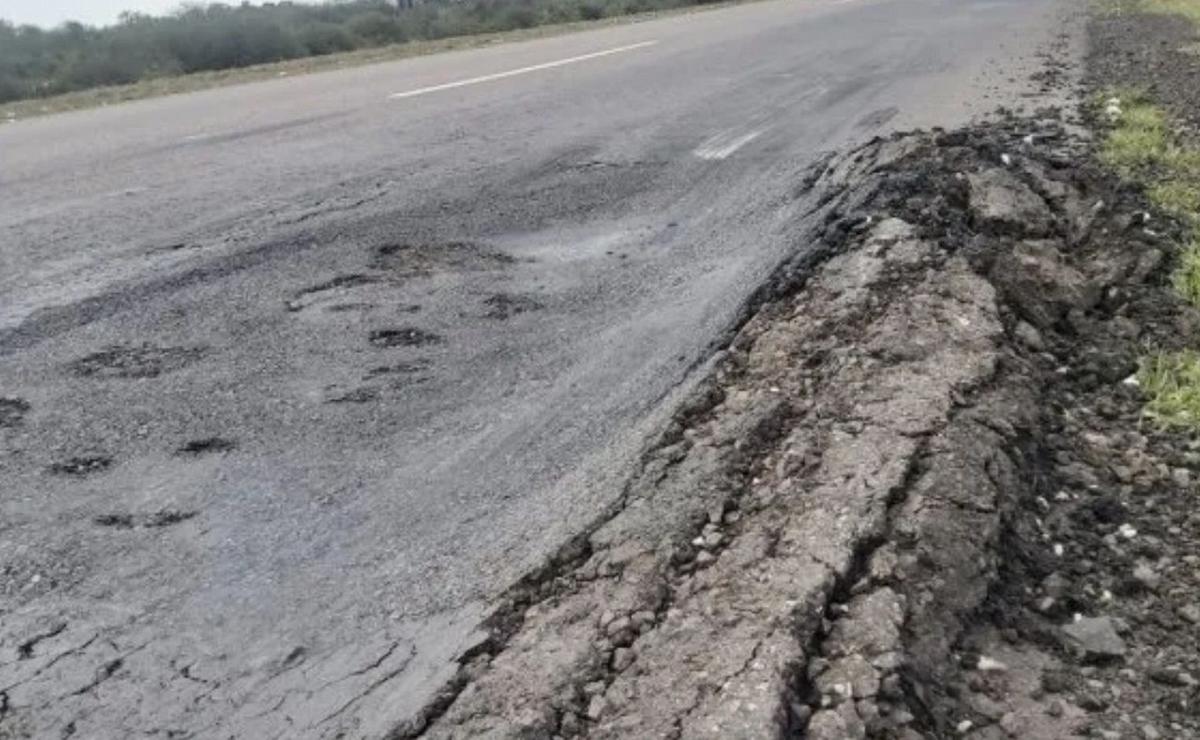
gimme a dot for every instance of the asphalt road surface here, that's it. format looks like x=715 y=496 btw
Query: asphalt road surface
x=297 y=376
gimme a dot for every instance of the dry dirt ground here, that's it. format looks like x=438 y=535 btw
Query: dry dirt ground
x=917 y=496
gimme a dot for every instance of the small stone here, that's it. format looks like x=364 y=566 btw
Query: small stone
x=569 y=726
x=964 y=727
x=1190 y=613
x=593 y=688
x=1182 y=477
x=891 y=688
x=1171 y=676
x=596 y=707
x=617 y=625
x=987 y=707
x=836 y=724
x=1013 y=724
x=987 y=664
x=704 y=557
x=622 y=658
x=850 y=676
x=1028 y=335
x=1150 y=732
x=1054 y=682
x=642 y=618
x=1095 y=637
x=1146 y=577
x=1091 y=701
x=1055 y=708
x=801 y=713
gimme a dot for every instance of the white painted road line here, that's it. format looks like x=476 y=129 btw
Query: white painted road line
x=521 y=71
x=721 y=145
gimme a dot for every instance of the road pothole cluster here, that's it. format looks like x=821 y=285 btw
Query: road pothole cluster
x=867 y=521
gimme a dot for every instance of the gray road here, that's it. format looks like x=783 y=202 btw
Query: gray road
x=299 y=375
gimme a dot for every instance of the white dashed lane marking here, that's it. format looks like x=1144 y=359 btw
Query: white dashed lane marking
x=724 y=144
x=519 y=71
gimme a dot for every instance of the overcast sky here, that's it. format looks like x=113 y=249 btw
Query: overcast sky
x=94 y=12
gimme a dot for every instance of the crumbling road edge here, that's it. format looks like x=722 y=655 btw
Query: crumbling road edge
x=803 y=547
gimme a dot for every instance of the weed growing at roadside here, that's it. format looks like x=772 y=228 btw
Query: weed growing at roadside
x=1189 y=9
x=1138 y=141
x=1141 y=147
x=1171 y=384
x=1186 y=278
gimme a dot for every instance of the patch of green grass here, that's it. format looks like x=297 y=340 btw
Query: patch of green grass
x=1186 y=278
x=1187 y=8
x=1179 y=197
x=1171 y=384
x=1139 y=140
x=1141 y=146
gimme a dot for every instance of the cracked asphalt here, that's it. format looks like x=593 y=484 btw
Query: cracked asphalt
x=297 y=377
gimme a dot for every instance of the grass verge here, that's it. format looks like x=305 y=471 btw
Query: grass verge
x=1171 y=384
x=1142 y=146
x=172 y=85
x=1189 y=9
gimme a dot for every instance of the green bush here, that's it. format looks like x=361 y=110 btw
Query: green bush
x=325 y=38
x=376 y=28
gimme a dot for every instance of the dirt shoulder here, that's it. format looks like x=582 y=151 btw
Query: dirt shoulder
x=918 y=496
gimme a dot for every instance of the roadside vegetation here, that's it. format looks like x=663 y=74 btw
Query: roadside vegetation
x=37 y=64
x=1142 y=147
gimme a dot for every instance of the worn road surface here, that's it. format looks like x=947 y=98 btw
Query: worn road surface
x=297 y=376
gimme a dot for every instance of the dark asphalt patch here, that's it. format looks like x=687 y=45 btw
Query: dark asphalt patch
x=411 y=367
x=12 y=411
x=362 y=394
x=144 y=361
x=164 y=518
x=416 y=260
x=404 y=337
x=307 y=296
x=81 y=466
x=206 y=446
x=506 y=305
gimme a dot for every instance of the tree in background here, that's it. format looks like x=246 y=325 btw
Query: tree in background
x=37 y=63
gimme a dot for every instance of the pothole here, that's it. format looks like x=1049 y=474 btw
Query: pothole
x=158 y=519
x=504 y=306
x=336 y=293
x=144 y=361
x=411 y=367
x=361 y=394
x=81 y=466
x=416 y=260
x=406 y=336
x=206 y=446
x=12 y=411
